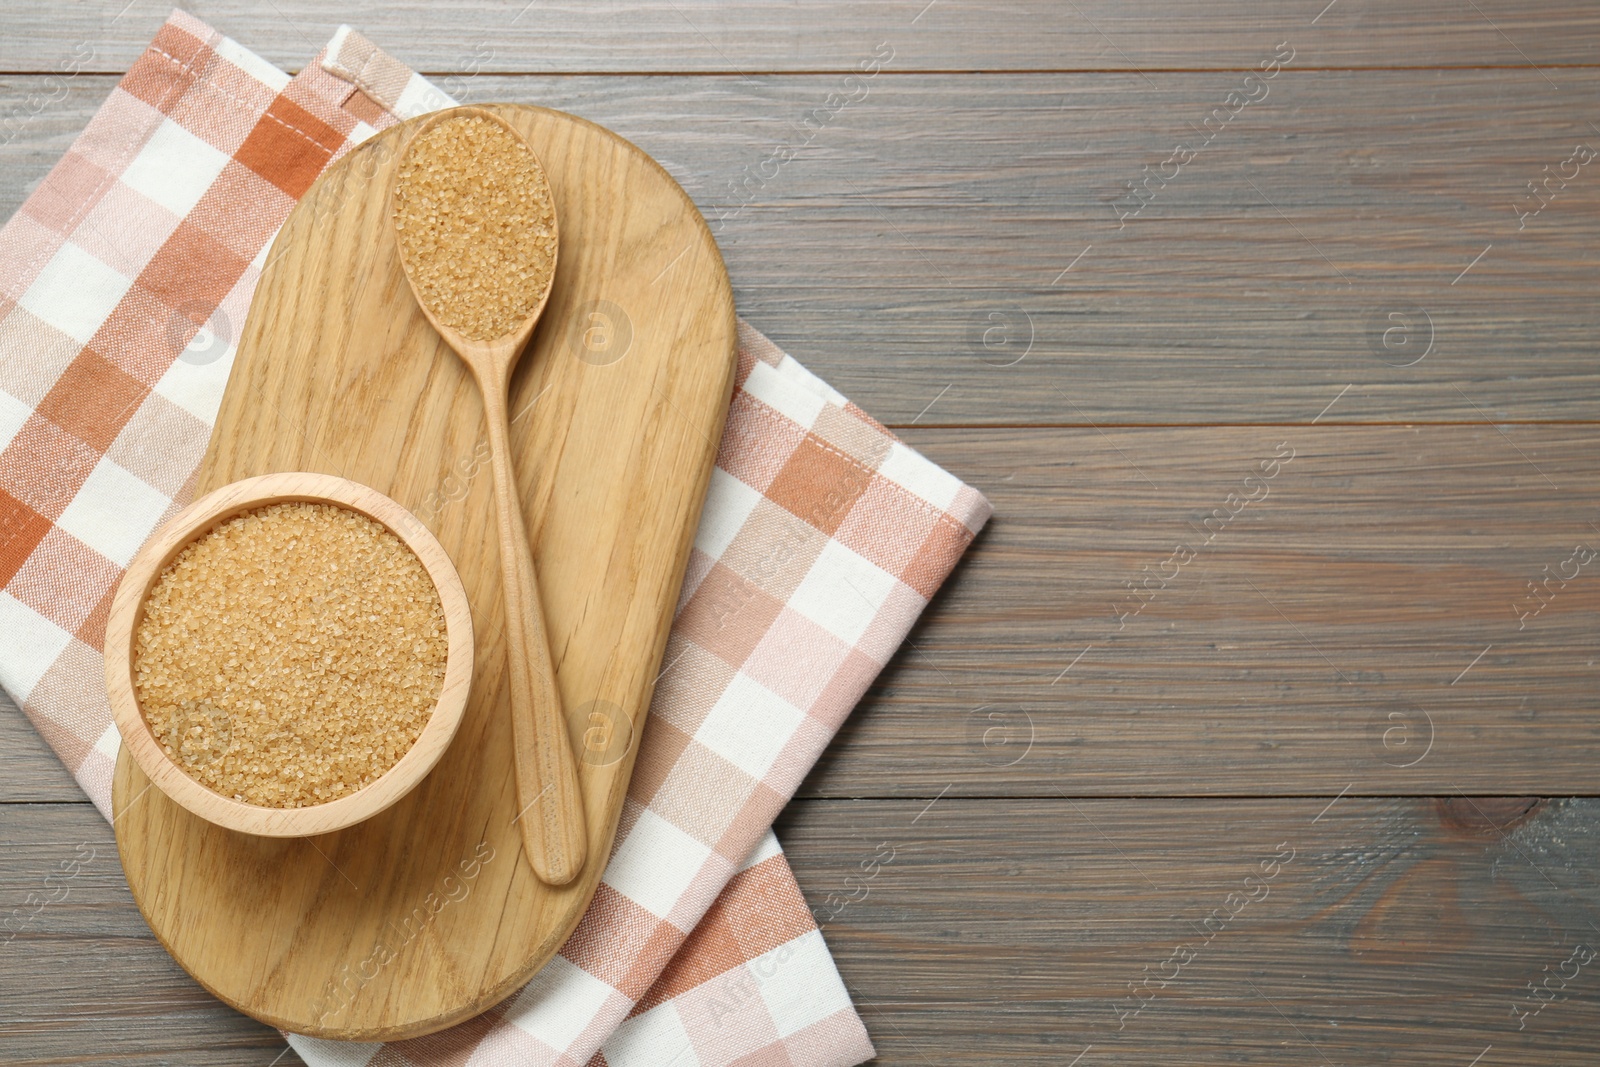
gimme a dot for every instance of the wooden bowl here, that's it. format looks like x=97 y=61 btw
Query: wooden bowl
x=127 y=611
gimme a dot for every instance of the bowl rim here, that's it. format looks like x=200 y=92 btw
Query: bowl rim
x=198 y=519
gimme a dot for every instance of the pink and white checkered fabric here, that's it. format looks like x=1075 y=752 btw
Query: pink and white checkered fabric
x=822 y=539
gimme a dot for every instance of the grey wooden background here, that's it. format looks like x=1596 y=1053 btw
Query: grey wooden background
x=1089 y=744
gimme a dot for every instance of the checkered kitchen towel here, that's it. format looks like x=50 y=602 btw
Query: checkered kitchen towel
x=823 y=538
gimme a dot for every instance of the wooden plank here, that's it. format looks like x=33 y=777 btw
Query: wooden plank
x=1541 y=684
x=83 y=980
x=934 y=217
x=704 y=36
x=1314 y=644
x=1010 y=930
x=29 y=770
x=1210 y=932
x=1369 y=601
x=39 y=120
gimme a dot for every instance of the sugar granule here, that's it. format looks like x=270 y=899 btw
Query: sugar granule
x=474 y=217
x=291 y=655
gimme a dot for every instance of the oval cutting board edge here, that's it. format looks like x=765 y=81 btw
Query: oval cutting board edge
x=680 y=369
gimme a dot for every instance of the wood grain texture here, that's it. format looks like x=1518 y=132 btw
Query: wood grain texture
x=338 y=371
x=83 y=980
x=1012 y=920
x=1395 y=931
x=1401 y=931
x=1365 y=604
x=704 y=36
x=29 y=770
x=919 y=241
x=1348 y=601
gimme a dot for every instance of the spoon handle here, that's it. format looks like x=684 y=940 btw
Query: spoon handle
x=550 y=806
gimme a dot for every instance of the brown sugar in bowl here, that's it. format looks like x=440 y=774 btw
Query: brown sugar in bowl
x=191 y=525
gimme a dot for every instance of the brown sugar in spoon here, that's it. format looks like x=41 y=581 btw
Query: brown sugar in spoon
x=476 y=228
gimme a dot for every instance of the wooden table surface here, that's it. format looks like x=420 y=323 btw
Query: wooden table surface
x=1260 y=725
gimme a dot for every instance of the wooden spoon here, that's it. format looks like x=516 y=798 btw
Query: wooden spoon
x=554 y=832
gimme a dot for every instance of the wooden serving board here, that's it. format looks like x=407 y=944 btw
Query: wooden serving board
x=428 y=913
